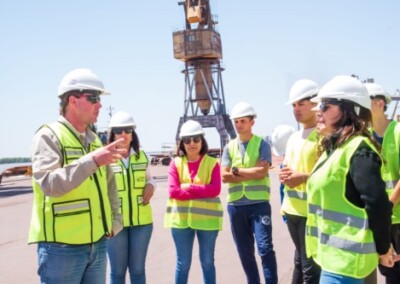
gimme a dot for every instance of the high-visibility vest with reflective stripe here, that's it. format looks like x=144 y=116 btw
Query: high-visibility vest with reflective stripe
x=390 y=170
x=81 y=216
x=130 y=183
x=338 y=236
x=252 y=189
x=295 y=199
x=200 y=214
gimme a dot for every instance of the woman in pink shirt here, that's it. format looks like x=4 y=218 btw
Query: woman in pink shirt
x=194 y=208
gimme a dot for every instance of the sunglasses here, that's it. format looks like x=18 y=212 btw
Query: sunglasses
x=94 y=99
x=324 y=106
x=195 y=139
x=91 y=96
x=119 y=130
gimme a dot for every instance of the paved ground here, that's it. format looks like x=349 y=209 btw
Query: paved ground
x=18 y=260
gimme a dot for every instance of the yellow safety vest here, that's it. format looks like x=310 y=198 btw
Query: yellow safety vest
x=253 y=189
x=338 y=236
x=200 y=214
x=295 y=199
x=130 y=183
x=390 y=170
x=83 y=215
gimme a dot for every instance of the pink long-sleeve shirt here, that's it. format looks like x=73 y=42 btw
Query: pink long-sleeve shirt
x=195 y=191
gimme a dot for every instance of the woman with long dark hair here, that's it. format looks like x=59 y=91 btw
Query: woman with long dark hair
x=349 y=213
x=128 y=249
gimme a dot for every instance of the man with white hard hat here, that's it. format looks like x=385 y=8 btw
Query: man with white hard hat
x=300 y=158
x=75 y=207
x=244 y=166
x=387 y=133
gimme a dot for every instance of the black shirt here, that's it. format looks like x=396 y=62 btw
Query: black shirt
x=366 y=189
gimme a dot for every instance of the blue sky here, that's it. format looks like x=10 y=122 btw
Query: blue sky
x=267 y=46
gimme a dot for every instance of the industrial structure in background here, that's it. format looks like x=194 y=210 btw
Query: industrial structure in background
x=396 y=98
x=199 y=47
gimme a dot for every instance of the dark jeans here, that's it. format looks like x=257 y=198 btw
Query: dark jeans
x=305 y=269
x=392 y=275
x=249 y=223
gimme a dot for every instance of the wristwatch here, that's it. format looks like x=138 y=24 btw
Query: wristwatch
x=235 y=171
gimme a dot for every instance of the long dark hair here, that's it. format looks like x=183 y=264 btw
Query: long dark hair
x=135 y=145
x=350 y=124
x=180 y=151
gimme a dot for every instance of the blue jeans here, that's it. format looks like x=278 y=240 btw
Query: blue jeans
x=128 y=249
x=184 y=239
x=249 y=222
x=332 y=278
x=60 y=263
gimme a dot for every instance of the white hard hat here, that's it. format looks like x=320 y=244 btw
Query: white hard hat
x=377 y=90
x=243 y=109
x=302 y=89
x=345 y=87
x=191 y=128
x=122 y=119
x=280 y=136
x=81 y=79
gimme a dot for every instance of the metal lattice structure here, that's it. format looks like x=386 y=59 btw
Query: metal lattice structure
x=199 y=47
x=396 y=98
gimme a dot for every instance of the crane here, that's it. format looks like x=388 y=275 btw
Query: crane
x=199 y=47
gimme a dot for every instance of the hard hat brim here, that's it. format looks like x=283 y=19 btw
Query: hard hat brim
x=277 y=153
x=181 y=135
x=317 y=107
x=312 y=94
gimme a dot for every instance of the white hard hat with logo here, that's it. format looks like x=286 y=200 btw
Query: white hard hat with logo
x=302 y=89
x=81 y=79
x=345 y=87
x=243 y=109
x=122 y=119
x=191 y=128
x=377 y=90
x=280 y=136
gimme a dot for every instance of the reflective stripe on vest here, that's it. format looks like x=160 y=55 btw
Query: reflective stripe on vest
x=60 y=209
x=391 y=184
x=81 y=216
x=345 y=219
x=294 y=194
x=201 y=214
x=249 y=188
x=202 y=211
x=390 y=168
x=338 y=236
x=303 y=161
x=343 y=244
x=253 y=189
x=130 y=183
